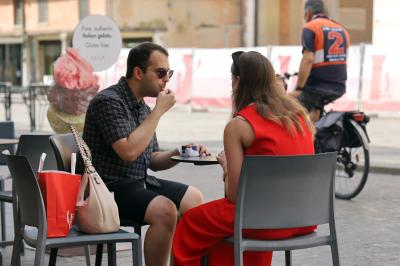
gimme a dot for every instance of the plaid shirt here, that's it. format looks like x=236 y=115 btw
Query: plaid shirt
x=112 y=115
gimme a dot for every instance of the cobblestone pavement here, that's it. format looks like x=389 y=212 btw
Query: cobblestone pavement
x=368 y=226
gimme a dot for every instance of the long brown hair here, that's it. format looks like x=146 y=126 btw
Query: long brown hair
x=258 y=85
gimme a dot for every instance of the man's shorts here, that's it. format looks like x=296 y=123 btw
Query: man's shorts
x=133 y=198
x=315 y=99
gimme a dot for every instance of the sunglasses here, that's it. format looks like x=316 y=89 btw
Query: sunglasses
x=162 y=73
x=235 y=64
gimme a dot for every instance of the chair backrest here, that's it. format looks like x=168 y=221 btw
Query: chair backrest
x=63 y=146
x=32 y=146
x=285 y=191
x=26 y=188
x=7 y=131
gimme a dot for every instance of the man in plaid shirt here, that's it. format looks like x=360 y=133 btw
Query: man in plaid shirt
x=120 y=131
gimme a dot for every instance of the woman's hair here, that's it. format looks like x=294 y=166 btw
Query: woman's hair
x=258 y=85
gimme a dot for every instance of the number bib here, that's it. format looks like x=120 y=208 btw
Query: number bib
x=335 y=46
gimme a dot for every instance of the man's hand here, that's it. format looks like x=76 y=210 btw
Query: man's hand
x=201 y=148
x=165 y=100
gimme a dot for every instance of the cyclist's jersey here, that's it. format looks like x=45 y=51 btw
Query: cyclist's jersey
x=329 y=41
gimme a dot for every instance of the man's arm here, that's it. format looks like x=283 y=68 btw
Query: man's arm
x=305 y=68
x=161 y=160
x=130 y=148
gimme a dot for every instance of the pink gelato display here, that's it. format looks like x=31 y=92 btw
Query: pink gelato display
x=74 y=88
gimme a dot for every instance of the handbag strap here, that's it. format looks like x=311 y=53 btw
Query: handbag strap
x=83 y=149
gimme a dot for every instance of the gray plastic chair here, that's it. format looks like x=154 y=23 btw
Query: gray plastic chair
x=286 y=192
x=7 y=131
x=63 y=146
x=32 y=224
x=32 y=146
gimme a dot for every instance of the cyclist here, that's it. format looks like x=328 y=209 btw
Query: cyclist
x=322 y=73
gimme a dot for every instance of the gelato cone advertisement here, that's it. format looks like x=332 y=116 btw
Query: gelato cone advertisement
x=97 y=44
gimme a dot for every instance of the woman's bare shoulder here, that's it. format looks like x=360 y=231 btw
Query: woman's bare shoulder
x=240 y=127
x=238 y=122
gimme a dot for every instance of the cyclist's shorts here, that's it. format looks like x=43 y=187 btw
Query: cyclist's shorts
x=313 y=98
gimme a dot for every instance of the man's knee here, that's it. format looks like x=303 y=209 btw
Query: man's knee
x=195 y=195
x=161 y=210
x=192 y=198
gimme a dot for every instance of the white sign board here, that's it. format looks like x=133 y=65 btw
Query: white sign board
x=98 y=40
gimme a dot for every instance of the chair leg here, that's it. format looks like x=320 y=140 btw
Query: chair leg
x=16 y=252
x=3 y=214
x=3 y=221
x=53 y=256
x=99 y=254
x=137 y=252
x=138 y=229
x=87 y=255
x=111 y=252
x=238 y=256
x=39 y=255
x=335 y=254
x=203 y=261
x=288 y=257
x=22 y=248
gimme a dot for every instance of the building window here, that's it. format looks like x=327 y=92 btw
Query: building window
x=83 y=8
x=132 y=42
x=43 y=11
x=10 y=69
x=49 y=52
x=3 y=60
x=18 y=12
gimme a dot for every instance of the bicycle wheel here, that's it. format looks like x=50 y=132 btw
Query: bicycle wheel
x=352 y=165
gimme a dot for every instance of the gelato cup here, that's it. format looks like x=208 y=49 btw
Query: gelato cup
x=60 y=121
x=75 y=84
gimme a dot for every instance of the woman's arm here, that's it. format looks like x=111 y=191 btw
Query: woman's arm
x=238 y=135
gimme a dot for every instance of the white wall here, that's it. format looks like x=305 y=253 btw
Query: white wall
x=386 y=22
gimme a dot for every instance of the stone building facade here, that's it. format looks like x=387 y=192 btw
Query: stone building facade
x=33 y=33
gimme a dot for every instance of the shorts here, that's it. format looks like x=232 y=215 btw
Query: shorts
x=315 y=99
x=133 y=198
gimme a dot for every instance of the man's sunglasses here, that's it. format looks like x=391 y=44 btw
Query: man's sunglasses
x=162 y=73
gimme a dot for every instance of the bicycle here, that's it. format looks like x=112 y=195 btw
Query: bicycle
x=344 y=132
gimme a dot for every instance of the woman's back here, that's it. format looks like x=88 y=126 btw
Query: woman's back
x=272 y=138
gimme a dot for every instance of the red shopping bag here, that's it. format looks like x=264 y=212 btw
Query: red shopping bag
x=59 y=191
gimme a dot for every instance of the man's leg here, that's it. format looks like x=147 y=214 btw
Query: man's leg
x=192 y=198
x=311 y=99
x=135 y=202
x=182 y=196
x=161 y=215
x=315 y=99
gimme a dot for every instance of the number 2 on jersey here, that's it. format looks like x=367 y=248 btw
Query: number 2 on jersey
x=337 y=47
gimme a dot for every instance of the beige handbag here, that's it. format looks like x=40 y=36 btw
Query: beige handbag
x=97 y=211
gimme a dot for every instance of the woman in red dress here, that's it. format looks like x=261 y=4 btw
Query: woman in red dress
x=265 y=121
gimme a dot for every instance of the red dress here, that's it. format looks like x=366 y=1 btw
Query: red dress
x=202 y=230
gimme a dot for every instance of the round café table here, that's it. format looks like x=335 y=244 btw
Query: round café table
x=197 y=160
x=8 y=141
